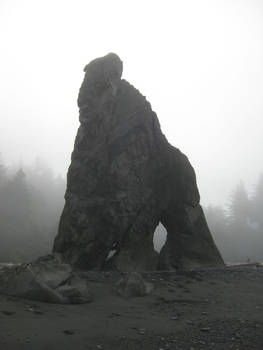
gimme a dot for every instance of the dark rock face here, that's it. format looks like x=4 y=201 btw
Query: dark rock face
x=123 y=180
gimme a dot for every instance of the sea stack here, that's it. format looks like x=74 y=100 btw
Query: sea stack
x=123 y=180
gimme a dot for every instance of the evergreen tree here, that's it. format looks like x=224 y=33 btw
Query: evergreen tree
x=246 y=243
x=239 y=207
x=257 y=204
x=31 y=202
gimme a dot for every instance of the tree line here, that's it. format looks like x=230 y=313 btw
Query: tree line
x=31 y=201
x=32 y=198
x=238 y=228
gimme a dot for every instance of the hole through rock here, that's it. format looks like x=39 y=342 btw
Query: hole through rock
x=159 y=237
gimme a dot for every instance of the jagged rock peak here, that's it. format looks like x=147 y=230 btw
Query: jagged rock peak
x=101 y=73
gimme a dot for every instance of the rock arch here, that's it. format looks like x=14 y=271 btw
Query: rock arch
x=125 y=178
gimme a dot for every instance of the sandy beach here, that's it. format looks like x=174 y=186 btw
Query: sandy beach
x=205 y=309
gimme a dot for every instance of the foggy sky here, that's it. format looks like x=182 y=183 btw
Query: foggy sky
x=199 y=63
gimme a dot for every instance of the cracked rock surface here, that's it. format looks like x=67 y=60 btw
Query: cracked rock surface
x=46 y=279
x=125 y=178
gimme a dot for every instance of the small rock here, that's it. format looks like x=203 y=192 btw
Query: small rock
x=68 y=332
x=141 y=331
x=8 y=313
x=37 y=312
x=174 y=318
x=189 y=322
x=205 y=329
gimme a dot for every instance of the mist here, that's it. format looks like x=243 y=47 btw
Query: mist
x=236 y=228
x=200 y=64
x=31 y=201
x=95 y=275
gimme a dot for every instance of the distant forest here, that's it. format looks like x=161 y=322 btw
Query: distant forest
x=238 y=229
x=31 y=201
x=32 y=198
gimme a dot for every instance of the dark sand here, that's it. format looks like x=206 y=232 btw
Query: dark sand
x=208 y=309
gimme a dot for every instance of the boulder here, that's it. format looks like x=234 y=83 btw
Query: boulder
x=133 y=285
x=123 y=180
x=45 y=279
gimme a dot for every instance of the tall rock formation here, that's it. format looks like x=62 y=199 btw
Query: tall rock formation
x=123 y=180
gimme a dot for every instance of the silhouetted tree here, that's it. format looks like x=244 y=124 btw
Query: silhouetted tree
x=17 y=197
x=239 y=207
x=257 y=204
x=31 y=201
x=236 y=230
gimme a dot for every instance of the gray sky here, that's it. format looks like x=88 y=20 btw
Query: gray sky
x=199 y=63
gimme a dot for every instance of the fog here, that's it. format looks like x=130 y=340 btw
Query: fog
x=199 y=63
x=31 y=201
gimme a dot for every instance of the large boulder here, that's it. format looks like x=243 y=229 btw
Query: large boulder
x=46 y=279
x=123 y=180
